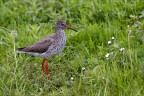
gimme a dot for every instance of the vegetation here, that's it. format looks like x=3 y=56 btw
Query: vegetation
x=104 y=58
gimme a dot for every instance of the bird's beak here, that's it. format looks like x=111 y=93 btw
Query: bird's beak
x=68 y=27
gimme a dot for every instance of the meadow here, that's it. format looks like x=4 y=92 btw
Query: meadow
x=104 y=58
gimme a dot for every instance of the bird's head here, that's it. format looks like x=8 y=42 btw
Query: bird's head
x=60 y=24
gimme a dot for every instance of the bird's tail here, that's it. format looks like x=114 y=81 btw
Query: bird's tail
x=20 y=50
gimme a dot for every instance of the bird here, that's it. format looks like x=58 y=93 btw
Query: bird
x=48 y=46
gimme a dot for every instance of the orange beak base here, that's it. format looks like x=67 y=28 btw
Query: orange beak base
x=71 y=28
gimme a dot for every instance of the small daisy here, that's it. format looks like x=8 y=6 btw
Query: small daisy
x=109 y=42
x=72 y=79
x=112 y=38
x=13 y=33
x=122 y=49
x=83 y=68
x=107 y=56
x=129 y=29
x=40 y=89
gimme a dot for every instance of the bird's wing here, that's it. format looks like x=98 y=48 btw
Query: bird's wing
x=39 y=47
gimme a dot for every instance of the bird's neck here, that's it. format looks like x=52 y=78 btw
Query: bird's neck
x=59 y=32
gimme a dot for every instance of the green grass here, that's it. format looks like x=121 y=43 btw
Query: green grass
x=23 y=22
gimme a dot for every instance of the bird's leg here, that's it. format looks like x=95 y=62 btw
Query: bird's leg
x=43 y=65
x=47 y=70
x=43 y=71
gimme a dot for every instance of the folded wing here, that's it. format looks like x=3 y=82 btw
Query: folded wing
x=39 y=47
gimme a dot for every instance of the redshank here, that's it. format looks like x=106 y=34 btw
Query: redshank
x=48 y=46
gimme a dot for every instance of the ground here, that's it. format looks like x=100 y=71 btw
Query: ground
x=104 y=58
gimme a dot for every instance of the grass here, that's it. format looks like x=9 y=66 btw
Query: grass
x=23 y=22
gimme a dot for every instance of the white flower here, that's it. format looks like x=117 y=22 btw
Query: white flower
x=40 y=89
x=122 y=49
x=107 y=56
x=133 y=17
x=109 y=42
x=112 y=38
x=72 y=78
x=83 y=68
x=13 y=33
x=129 y=29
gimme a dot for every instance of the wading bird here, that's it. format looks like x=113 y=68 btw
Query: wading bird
x=48 y=46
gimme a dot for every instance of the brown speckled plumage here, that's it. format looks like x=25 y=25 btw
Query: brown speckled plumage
x=50 y=45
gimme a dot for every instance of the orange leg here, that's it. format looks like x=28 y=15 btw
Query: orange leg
x=47 y=70
x=43 y=65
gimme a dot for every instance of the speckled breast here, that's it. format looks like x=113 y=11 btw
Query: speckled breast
x=57 y=46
